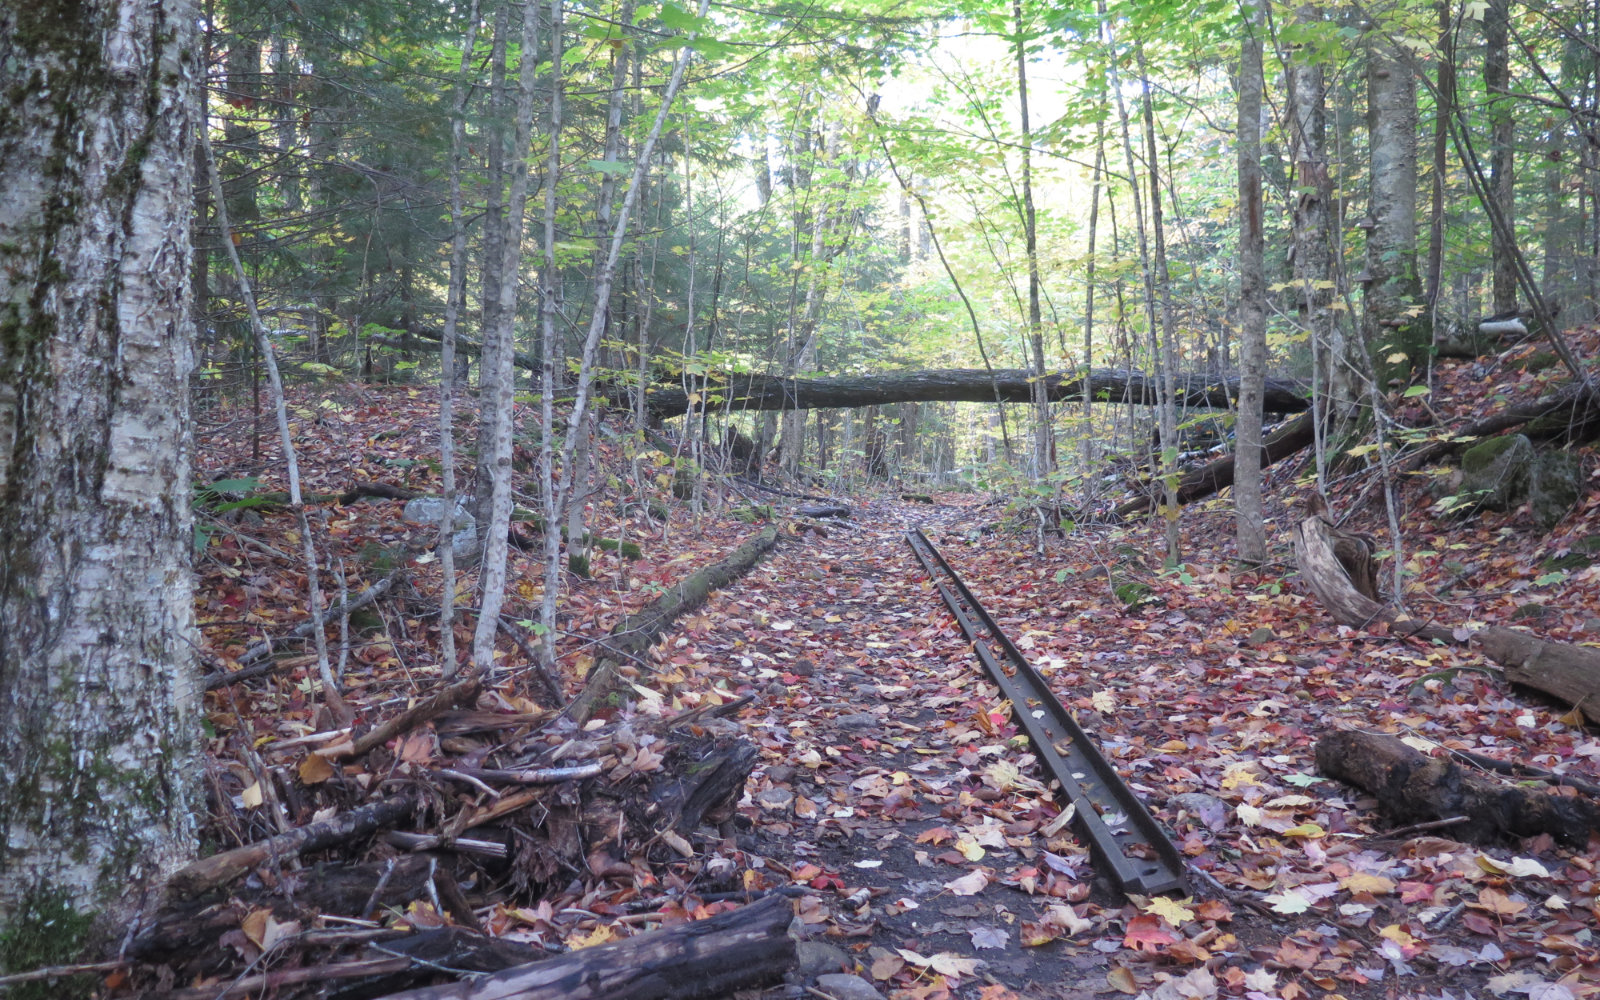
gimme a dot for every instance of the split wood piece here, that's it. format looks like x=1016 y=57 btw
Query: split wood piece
x=747 y=948
x=974 y=385
x=452 y=948
x=248 y=660
x=1412 y=787
x=1570 y=673
x=1216 y=476
x=460 y=693
x=823 y=510
x=638 y=632
x=221 y=869
x=1316 y=545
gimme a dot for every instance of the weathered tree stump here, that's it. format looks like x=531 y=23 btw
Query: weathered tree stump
x=1316 y=548
x=1411 y=787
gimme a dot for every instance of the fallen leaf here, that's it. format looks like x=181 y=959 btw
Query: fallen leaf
x=969 y=884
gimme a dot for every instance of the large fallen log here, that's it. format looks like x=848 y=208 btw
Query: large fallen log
x=1570 y=673
x=638 y=632
x=972 y=385
x=741 y=949
x=1412 y=787
x=1217 y=475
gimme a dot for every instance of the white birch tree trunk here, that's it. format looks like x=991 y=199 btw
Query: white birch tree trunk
x=98 y=692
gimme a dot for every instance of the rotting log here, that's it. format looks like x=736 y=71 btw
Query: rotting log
x=1412 y=787
x=822 y=510
x=972 y=385
x=1217 y=475
x=1316 y=543
x=1571 y=412
x=1570 y=673
x=638 y=632
x=740 y=949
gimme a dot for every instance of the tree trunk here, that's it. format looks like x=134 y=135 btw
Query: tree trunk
x=496 y=395
x=1393 y=292
x=1314 y=271
x=1044 y=442
x=1502 y=172
x=1252 y=538
x=1164 y=352
x=98 y=695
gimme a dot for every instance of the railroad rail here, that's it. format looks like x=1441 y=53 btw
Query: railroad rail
x=1124 y=840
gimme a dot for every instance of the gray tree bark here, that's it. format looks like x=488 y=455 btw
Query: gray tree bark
x=98 y=686
x=1393 y=291
x=1251 y=535
x=1502 y=171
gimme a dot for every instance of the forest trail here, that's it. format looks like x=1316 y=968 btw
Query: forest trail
x=890 y=798
x=885 y=765
x=891 y=785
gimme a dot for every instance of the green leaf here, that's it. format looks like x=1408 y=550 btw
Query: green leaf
x=1416 y=390
x=613 y=167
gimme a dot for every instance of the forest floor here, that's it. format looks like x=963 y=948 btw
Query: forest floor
x=889 y=787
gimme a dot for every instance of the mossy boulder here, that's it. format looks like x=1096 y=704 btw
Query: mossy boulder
x=1555 y=484
x=1503 y=473
x=1496 y=471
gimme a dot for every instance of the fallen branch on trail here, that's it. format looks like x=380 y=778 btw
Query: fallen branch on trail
x=1217 y=475
x=1412 y=787
x=972 y=385
x=638 y=632
x=1570 y=673
x=741 y=949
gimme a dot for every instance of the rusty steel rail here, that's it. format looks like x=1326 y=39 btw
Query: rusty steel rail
x=1125 y=841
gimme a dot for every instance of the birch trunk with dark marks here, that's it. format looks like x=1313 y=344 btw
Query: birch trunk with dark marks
x=98 y=694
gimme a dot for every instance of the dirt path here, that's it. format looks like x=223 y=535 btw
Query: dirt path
x=891 y=787
x=886 y=768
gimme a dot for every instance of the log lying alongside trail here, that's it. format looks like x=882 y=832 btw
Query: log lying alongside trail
x=1412 y=787
x=1409 y=785
x=638 y=632
x=1217 y=475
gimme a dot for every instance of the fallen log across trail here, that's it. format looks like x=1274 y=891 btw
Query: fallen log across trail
x=972 y=385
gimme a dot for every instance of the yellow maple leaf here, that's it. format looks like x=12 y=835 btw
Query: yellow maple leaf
x=600 y=935
x=1171 y=910
x=1362 y=882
